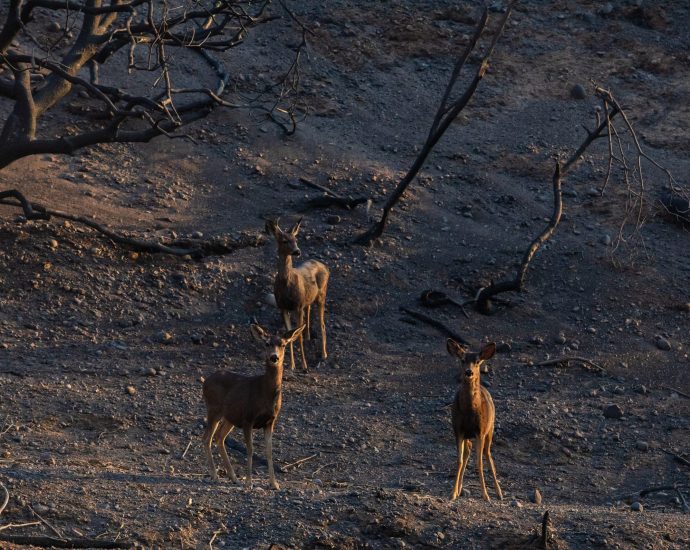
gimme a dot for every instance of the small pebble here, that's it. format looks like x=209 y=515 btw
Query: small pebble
x=636 y=507
x=131 y=390
x=333 y=220
x=642 y=445
x=606 y=240
x=560 y=339
x=515 y=503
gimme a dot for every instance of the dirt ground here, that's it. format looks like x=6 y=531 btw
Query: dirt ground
x=102 y=351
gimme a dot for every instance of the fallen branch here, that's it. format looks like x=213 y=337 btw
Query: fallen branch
x=562 y=360
x=436 y=324
x=299 y=462
x=51 y=542
x=331 y=198
x=47 y=523
x=482 y=299
x=649 y=491
x=436 y=298
x=677 y=391
x=6 y=498
x=545 y=522
x=195 y=248
x=17 y=525
x=446 y=113
x=683 y=502
x=678 y=458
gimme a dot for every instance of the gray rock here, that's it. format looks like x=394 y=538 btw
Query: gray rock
x=560 y=339
x=642 y=446
x=606 y=240
x=613 y=411
x=636 y=507
x=663 y=344
x=41 y=508
x=607 y=9
x=333 y=220
x=54 y=26
x=515 y=503
x=578 y=92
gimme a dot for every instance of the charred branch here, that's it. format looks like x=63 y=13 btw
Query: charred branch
x=447 y=112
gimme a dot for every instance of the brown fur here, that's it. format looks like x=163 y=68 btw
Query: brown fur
x=250 y=402
x=473 y=415
x=297 y=288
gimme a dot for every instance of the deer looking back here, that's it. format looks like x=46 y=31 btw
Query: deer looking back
x=297 y=288
x=250 y=402
x=473 y=416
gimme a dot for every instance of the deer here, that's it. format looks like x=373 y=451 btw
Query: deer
x=297 y=288
x=473 y=415
x=249 y=402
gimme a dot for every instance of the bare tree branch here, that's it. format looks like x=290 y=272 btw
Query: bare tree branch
x=447 y=112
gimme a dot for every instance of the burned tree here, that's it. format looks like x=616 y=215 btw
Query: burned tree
x=120 y=64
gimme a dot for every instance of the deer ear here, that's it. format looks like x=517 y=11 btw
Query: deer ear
x=455 y=349
x=258 y=332
x=487 y=351
x=292 y=335
x=295 y=228
x=272 y=227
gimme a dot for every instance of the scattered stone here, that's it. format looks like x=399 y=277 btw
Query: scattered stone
x=613 y=411
x=151 y=372
x=607 y=9
x=515 y=503
x=165 y=337
x=503 y=347
x=41 y=508
x=53 y=244
x=560 y=339
x=591 y=330
x=663 y=344
x=642 y=446
x=536 y=497
x=54 y=26
x=131 y=390
x=606 y=240
x=537 y=340
x=333 y=220
x=636 y=507
x=578 y=92
x=642 y=389
x=465 y=492
x=197 y=338
x=592 y=192
x=270 y=299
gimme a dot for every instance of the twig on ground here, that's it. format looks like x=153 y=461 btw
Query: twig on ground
x=46 y=522
x=51 y=542
x=683 y=502
x=650 y=490
x=677 y=457
x=322 y=467
x=183 y=247
x=299 y=462
x=566 y=359
x=435 y=323
x=17 y=525
x=186 y=449
x=6 y=498
x=331 y=198
x=677 y=391
x=545 y=522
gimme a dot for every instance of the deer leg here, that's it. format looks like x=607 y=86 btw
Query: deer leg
x=288 y=326
x=250 y=453
x=268 y=438
x=487 y=452
x=300 y=322
x=308 y=329
x=458 y=475
x=225 y=429
x=209 y=431
x=480 y=467
x=322 y=306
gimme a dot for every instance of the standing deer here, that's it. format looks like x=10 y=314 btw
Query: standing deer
x=473 y=416
x=297 y=288
x=250 y=402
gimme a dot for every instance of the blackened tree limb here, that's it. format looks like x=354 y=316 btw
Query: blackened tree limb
x=52 y=542
x=443 y=329
x=195 y=248
x=483 y=296
x=447 y=112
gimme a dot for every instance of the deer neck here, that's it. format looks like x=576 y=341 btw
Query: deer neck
x=284 y=266
x=274 y=376
x=470 y=394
